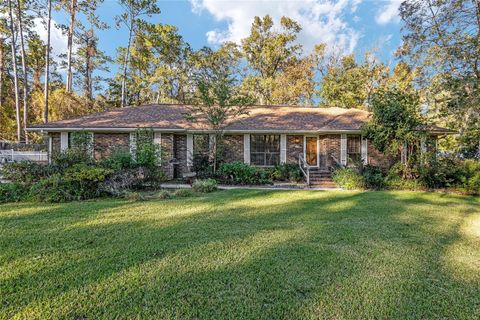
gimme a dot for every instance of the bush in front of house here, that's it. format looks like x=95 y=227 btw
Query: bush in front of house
x=470 y=179
x=205 y=186
x=240 y=173
x=348 y=178
x=286 y=172
x=12 y=192
x=79 y=182
x=373 y=177
x=26 y=172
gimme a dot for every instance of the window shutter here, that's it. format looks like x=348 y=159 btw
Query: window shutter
x=246 y=148
x=364 y=151
x=189 y=150
x=63 y=141
x=283 y=148
x=343 y=149
x=133 y=144
x=157 y=140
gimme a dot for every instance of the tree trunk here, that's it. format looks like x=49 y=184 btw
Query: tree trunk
x=125 y=67
x=89 y=52
x=73 y=11
x=47 y=61
x=15 y=73
x=2 y=67
x=24 y=70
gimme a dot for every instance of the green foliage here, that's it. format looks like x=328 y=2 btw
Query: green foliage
x=134 y=196
x=373 y=177
x=348 y=178
x=183 y=193
x=119 y=160
x=69 y=157
x=205 y=186
x=12 y=192
x=471 y=176
x=395 y=120
x=26 y=172
x=147 y=152
x=286 y=172
x=78 y=182
x=240 y=173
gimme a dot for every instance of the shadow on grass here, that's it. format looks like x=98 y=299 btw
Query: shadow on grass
x=239 y=254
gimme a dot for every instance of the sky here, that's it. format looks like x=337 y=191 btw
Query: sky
x=347 y=25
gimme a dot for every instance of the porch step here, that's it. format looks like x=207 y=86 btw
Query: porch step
x=321 y=179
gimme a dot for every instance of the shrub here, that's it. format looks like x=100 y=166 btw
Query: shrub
x=183 y=193
x=119 y=159
x=397 y=183
x=146 y=150
x=240 y=173
x=26 y=172
x=286 y=172
x=470 y=178
x=373 y=177
x=348 y=178
x=12 y=192
x=205 y=186
x=69 y=157
x=164 y=194
x=78 y=182
x=121 y=181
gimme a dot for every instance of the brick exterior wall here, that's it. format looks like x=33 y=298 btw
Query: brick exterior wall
x=180 y=154
x=232 y=148
x=294 y=148
x=376 y=158
x=167 y=154
x=105 y=143
x=329 y=146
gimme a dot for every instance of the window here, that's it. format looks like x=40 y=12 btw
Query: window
x=265 y=150
x=354 y=149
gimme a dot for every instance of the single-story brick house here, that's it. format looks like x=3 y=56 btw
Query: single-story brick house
x=266 y=136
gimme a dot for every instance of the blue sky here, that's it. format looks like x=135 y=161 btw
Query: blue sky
x=347 y=25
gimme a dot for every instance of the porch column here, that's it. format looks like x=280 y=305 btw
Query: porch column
x=423 y=145
x=50 y=148
x=133 y=144
x=364 y=151
x=283 y=148
x=157 y=140
x=343 y=149
x=63 y=141
x=246 y=148
x=189 y=150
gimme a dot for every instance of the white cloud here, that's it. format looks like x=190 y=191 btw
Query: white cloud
x=388 y=12
x=58 y=41
x=322 y=20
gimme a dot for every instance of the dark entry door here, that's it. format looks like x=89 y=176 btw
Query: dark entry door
x=311 y=151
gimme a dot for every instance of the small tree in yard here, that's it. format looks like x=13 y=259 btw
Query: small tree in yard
x=218 y=102
x=395 y=124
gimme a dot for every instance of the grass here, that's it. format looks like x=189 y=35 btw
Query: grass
x=244 y=254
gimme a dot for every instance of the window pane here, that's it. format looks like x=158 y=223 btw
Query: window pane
x=265 y=150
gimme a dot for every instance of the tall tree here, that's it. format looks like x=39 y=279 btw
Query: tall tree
x=47 y=61
x=442 y=39
x=72 y=10
x=21 y=9
x=13 y=45
x=268 y=52
x=130 y=18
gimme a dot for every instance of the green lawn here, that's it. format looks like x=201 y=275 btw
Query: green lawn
x=244 y=254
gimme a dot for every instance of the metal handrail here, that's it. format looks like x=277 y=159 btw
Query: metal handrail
x=336 y=161
x=302 y=163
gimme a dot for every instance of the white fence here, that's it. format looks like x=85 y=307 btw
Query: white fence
x=16 y=156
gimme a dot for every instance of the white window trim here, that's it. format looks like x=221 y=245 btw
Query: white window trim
x=246 y=148
x=343 y=149
x=189 y=150
x=50 y=149
x=133 y=144
x=283 y=148
x=63 y=141
x=157 y=139
x=364 y=150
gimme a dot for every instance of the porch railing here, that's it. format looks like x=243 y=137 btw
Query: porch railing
x=305 y=168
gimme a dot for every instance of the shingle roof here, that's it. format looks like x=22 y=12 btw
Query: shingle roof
x=259 y=118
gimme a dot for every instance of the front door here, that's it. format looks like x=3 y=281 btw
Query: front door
x=311 y=151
